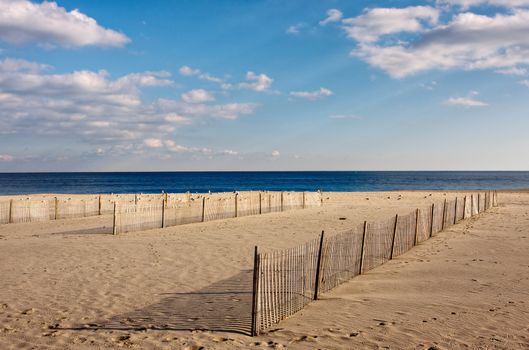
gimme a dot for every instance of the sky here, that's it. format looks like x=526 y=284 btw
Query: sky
x=153 y=85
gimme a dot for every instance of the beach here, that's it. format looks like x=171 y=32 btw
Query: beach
x=72 y=284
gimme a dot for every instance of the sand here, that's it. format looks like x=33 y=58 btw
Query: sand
x=69 y=284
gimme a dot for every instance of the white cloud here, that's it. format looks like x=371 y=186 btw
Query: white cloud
x=333 y=15
x=512 y=71
x=188 y=71
x=6 y=158
x=275 y=153
x=312 y=95
x=223 y=111
x=211 y=78
x=175 y=148
x=198 y=96
x=258 y=82
x=48 y=24
x=176 y=118
x=465 y=102
x=524 y=82
x=429 y=86
x=469 y=41
x=465 y=4
x=95 y=109
x=377 y=22
x=295 y=29
x=230 y=152
x=153 y=143
x=344 y=117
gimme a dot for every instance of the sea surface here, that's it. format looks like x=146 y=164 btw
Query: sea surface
x=156 y=182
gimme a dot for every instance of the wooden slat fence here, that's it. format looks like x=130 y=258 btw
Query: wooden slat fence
x=341 y=258
x=405 y=233
x=287 y=280
x=186 y=208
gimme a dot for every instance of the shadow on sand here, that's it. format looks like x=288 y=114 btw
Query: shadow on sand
x=103 y=230
x=222 y=306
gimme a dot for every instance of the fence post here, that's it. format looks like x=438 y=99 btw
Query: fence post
x=444 y=216
x=495 y=198
x=203 y=208
x=236 y=207
x=479 y=200
x=455 y=213
x=56 y=207
x=416 y=226
x=431 y=221
x=260 y=204
x=464 y=207
x=10 y=219
x=318 y=268
x=99 y=211
x=362 y=252
x=393 y=239
x=114 y=231
x=303 y=200
x=472 y=205
x=281 y=200
x=163 y=213
x=255 y=293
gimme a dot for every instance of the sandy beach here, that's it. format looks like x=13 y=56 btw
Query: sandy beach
x=71 y=284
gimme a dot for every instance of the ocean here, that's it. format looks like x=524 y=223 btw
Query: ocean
x=156 y=182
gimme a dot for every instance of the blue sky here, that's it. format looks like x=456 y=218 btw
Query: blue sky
x=264 y=85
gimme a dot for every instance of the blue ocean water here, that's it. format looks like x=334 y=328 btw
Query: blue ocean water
x=156 y=182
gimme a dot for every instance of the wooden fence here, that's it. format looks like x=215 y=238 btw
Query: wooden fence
x=287 y=280
x=179 y=209
x=133 y=212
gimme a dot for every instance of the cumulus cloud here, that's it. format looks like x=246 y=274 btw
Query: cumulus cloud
x=188 y=72
x=97 y=109
x=333 y=15
x=176 y=118
x=312 y=95
x=275 y=153
x=48 y=24
x=295 y=28
x=344 y=117
x=6 y=158
x=377 y=22
x=198 y=96
x=512 y=71
x=257 y=82
x=469 y=101
x=468 y=41
x=196 y=110
x=465 y=4
x=153 y=143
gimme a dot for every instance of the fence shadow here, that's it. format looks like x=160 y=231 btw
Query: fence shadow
x=103 y=230
x=223 y=306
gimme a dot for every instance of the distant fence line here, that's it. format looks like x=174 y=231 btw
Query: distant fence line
x=284 y=281
x=45 y=208
x=190 y=208
x=134 y=212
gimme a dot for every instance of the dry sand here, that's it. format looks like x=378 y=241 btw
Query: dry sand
x=69 y=284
